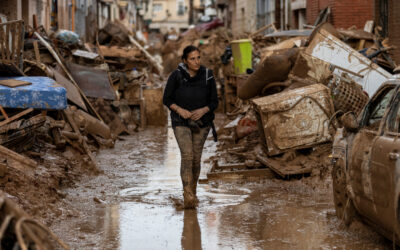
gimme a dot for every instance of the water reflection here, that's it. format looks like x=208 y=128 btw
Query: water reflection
x=191 y=233
x=269 y=214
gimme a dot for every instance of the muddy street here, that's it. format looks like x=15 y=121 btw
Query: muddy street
x=301 y=97
x=132 y=205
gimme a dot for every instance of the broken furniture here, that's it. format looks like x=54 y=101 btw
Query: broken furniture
x=344 y=59
x=294 y=119
x=43 y=93
x=11 y=48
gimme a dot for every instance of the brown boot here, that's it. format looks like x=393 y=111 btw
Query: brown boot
x=189 y=199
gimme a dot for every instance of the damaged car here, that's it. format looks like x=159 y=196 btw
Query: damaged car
x=366 y=163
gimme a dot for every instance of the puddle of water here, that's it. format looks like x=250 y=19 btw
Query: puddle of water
x=266 y=214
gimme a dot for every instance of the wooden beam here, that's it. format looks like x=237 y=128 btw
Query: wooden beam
x=3 y=112
x=35 y=22
x=20 y=114
x=20 y=42
x=13 y=40
x=240 y=165
x=261 y=30
x=6 y=37
x=20 y=158
x=369 y=27
x=156 y=64
x=2 y=39
x=262 y=172
x=284 y=170
x=36 y=48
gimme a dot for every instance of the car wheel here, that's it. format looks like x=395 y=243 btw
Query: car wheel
x=344 y=207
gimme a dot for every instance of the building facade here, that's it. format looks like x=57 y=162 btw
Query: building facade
x=344 y=13
x=388 y=18
x=241 y=16
x=168 y=14
x=284 y=14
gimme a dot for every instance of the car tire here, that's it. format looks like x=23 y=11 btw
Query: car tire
x=344 y=207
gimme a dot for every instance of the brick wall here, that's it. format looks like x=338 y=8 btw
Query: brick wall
x=344 y=13
x=394 y=28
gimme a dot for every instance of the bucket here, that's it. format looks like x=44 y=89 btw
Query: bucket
x=242 y=55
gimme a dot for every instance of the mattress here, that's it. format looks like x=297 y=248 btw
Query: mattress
x=43 y=93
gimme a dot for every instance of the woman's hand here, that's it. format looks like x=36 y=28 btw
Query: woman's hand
x=184 y=113
x=198 y=113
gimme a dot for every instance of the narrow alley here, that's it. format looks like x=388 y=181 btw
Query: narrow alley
x=199 y=124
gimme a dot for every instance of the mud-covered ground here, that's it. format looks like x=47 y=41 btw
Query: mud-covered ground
x=132 y=205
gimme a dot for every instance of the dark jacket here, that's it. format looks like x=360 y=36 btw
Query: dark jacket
x=191 y=93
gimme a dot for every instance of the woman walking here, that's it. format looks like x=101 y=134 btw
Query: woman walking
x=191 y=95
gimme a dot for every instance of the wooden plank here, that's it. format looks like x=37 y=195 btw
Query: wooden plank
x=35 y=22
x=84 y=145
x=284 y=170
x=6 y=37
x=143 y=121
x=240 y=165
x=20 y=43
x=13 y=40
x=72 y=91
x=17 y=44
x=262 y=172
x=2 y=38
x=12 y=83
x=261 y=30
x=155 y=63
x=36 y=48
x=3 y=112
x=369 y=26
x=20 y=158
x=20 y=114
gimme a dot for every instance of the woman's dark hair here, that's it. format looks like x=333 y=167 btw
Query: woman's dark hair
x=188 y=50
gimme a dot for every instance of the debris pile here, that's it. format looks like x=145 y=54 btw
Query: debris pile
x=212 y=44
x=64 y=100
x=284 y=114
x=18 y=230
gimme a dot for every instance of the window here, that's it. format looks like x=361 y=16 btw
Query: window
x=377 y=109
x=181 y=7
x=157 y=7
